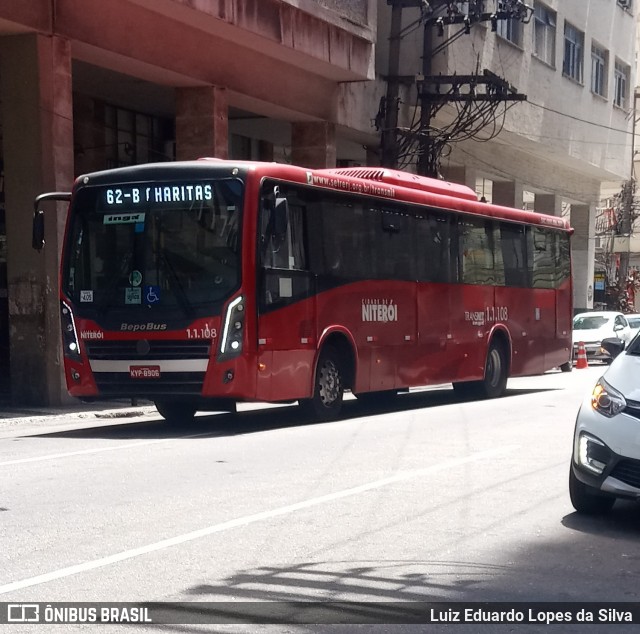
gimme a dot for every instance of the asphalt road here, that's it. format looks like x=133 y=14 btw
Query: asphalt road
x=431 y=500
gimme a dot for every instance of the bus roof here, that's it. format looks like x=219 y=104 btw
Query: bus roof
x=376 y=181
x=405 y=179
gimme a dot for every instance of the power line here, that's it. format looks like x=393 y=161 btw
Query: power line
x=570 y=116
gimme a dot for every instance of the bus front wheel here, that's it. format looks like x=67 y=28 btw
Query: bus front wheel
x=175 y=412
x=328 y=387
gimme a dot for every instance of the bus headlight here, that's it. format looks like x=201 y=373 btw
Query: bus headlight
x=233 y=331
x=70 y=345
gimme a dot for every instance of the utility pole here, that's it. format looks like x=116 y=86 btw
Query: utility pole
x=627 y=216
x=425 y=165
x=435 y=91
x=390 y=129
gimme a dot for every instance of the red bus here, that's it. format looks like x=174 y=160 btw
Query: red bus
x=205 y=283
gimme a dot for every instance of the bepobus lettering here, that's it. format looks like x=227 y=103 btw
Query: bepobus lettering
x=148 y=327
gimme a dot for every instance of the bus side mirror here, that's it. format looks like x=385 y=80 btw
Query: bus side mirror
x=280 y=217
x=37 y=232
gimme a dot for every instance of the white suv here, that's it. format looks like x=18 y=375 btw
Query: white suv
x=605 y=462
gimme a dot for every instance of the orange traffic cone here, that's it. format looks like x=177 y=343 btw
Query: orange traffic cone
x=581 y=362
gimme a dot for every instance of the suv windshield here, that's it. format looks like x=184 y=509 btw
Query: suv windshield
x=172 y=246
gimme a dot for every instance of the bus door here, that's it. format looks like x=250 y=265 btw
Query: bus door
x=389 y=305
x=286 y=302
x=473 y=303
x=543 y=280
x=435 y=266
x=514 y=299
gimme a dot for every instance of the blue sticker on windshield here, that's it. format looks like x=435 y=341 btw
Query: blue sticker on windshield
x=151 y=294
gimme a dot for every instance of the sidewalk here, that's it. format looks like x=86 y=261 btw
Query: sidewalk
x=100 y=411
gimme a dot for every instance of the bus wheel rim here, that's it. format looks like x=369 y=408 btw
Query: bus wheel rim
x=329 y=384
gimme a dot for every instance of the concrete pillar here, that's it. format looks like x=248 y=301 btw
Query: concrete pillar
x=265 y=151
x=461 y=175
x=37 y=126
x=507 y=193
x=313 y=144
x=548 y=204
x=202 y=123
x=583 y=219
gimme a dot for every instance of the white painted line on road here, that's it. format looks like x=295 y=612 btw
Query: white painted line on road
x=81 y=452
x=250 y=519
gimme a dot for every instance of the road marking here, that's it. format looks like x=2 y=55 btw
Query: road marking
x=81 y=452
x=249 y=519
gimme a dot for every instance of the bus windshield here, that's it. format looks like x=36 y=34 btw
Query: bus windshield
x=169 y=245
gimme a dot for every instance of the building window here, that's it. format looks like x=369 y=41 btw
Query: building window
x=510 y=29
x=625 y=4
x=544 y=34
x=621 y=84
x=599 y=59
x=132 y=138
x=573 y=52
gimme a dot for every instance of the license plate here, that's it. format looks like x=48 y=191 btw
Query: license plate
x=144 y=371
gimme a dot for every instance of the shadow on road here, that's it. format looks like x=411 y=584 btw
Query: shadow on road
x=265 y=419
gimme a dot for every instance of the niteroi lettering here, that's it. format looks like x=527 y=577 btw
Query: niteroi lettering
x=383 y=310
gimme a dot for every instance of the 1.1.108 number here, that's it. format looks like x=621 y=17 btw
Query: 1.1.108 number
x=496 y=313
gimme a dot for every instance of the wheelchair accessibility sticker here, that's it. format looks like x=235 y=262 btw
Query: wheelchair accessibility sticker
x=151 y=294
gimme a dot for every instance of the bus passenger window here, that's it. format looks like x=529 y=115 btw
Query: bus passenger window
x=433 y=252
x=540 y=244
x=393 y=245
x=514 y=255
x=476 y=249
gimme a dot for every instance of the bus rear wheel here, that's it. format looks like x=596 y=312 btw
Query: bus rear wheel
x=494 y=382
x=175 y=412
x=328 y=388
x=566 y=367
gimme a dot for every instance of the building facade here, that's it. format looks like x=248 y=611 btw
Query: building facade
x=569 y=144
x=86 y=85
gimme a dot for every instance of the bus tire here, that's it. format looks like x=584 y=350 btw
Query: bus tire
x=494 y=382
x=495 y=372
x=566 y=367
x=585 y=499
x=328 y=387
x=175 y=412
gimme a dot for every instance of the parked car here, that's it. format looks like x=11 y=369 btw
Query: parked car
x=592 y=327
x=634 y=322
x=605 y=461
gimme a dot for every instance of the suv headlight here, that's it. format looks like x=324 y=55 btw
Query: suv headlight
x=607 y=401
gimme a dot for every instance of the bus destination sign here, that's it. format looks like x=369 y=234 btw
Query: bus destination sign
x=158 y=194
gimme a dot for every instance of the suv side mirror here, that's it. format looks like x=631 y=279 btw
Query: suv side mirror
x=613 y=346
